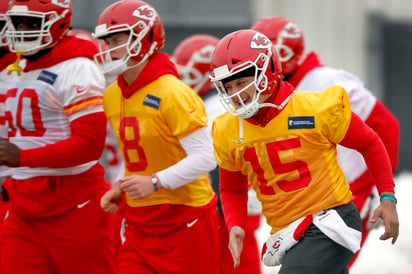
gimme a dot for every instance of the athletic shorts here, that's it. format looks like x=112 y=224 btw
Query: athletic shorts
x=315 y=253
x=191 y=248
x=79 y=240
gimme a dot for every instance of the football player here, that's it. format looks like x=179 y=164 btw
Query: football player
x=56 y=133
x=161 y=127
x=284 y=143
x=306 y=72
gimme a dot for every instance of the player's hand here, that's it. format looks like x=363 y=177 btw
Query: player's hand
x=9 y=154
x=111 y=200
x=137 y=186
x=236 y=244
x=387 y=211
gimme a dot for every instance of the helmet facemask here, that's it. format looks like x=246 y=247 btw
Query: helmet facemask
x=284 y=52
x=31 y=41
x=190 y=74
x=133 y=47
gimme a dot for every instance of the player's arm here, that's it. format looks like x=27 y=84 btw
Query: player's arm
x=234 y=195
x=84 y=145
x=361 y=137
x=365 y=140
x=199 y=160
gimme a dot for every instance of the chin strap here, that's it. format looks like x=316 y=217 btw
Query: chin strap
x=281 y=106
x=16 y=65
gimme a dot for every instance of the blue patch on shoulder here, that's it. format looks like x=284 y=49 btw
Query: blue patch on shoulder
x=299 y=122
x=47 y=76
x=151 y=101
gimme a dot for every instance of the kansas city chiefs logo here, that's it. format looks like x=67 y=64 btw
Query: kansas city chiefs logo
x=145 y=12
x=205 y=53
x=259 y=41
x=62 y=3
x=290 y=30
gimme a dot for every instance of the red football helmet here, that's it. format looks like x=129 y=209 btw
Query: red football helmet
x=287 y=38
x=143 y=24
x=54 y=18
x=193 y=57
x=238 y=52
x=4 y=5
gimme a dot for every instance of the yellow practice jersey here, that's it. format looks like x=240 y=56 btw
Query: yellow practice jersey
x=148 y=126
x=291 y=162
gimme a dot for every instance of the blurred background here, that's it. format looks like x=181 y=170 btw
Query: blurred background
x=370 y=38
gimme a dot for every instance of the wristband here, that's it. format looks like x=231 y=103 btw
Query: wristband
x=389 y=197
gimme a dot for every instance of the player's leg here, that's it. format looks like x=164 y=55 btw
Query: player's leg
x=316 y=253
x=118 y=234
x=132 y=258
x=21 y=250
x=80 y=240
x=4 y=207
x=192 y=248
x=196 y=245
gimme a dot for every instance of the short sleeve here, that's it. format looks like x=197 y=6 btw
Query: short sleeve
x=183 y=111
x=335 y=113
x=81 y=92
x=222 y=148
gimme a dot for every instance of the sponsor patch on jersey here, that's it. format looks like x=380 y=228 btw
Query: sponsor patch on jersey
x=47 y=76
x=299 y=122
x=151 y=101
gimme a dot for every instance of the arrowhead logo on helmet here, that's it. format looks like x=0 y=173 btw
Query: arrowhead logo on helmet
x=62 y=3
x=143 y=25
x=145 y=12
x=291 y=30
x=260 y=41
